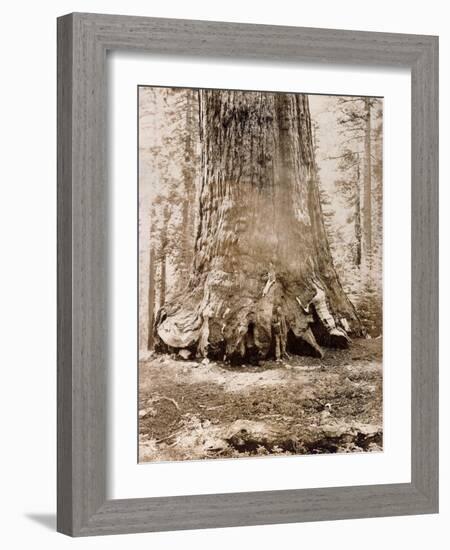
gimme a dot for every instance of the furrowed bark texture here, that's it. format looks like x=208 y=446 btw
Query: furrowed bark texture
x=262 y=272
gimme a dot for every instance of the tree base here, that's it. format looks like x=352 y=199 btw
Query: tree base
x=245 y=328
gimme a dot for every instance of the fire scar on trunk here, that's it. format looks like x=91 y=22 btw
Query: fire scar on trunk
x=263 y=283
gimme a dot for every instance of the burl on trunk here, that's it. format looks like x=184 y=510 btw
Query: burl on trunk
x=263 y=282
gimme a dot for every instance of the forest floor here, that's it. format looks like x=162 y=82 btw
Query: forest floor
x=203 y=409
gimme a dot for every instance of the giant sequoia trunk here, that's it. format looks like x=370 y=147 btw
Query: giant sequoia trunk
x=263 y=277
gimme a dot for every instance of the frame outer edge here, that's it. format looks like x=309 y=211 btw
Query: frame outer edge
x=90 y=289
x=82 y=268
x=284 y=44
x=425 y=273
x=82 y=283
x=64 y=274
x=256 y=508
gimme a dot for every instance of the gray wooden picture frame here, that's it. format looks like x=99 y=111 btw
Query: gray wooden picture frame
x=83 y=41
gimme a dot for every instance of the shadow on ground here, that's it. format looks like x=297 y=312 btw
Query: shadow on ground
x=46 y=520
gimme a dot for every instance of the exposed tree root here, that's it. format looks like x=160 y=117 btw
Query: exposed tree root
x=251 y=326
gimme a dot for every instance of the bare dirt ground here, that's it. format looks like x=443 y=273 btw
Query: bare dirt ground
x=203 y=409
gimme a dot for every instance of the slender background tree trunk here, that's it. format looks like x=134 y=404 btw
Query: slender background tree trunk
x=367 y=205
x=151 y=299
x=358 y=219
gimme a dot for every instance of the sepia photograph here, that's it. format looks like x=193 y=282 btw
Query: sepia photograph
x=260 y=274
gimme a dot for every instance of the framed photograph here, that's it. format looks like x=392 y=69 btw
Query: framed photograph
x=247 y=274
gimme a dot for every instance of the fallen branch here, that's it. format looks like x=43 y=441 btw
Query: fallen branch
x=164 y=398
x=158 y=441
x=215 y=407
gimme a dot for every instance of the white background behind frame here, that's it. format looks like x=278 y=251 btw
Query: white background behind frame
x=127 y=479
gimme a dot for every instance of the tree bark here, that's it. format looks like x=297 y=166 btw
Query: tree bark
x=261 y=253
x=188 y=181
